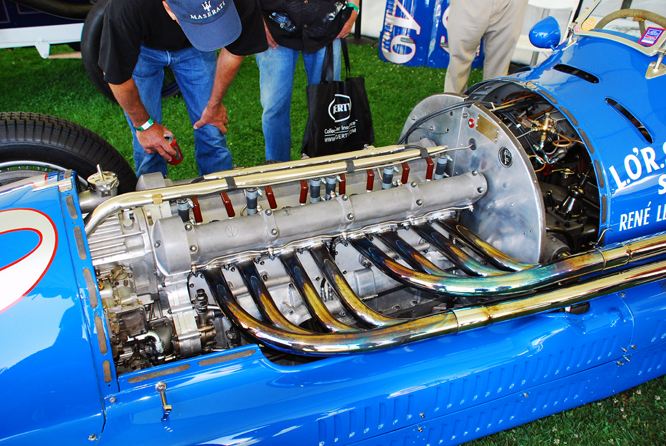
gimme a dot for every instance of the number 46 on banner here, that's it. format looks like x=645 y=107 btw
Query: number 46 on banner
x=400 y=48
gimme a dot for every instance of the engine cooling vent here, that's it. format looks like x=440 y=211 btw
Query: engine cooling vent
x=577 y=72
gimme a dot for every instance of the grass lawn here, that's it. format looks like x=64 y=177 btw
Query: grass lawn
x=60 y=87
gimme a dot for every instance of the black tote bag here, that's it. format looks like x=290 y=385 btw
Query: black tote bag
x=339 y=118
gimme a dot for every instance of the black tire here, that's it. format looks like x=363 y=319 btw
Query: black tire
x=90 y=45
x=31 y=142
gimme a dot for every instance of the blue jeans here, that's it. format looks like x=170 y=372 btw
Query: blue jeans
x=276 y=80
x=195 y=73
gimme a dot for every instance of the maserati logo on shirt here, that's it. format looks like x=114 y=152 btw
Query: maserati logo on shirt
x=210 y=11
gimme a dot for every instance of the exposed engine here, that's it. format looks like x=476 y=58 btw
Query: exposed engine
x=368 y=249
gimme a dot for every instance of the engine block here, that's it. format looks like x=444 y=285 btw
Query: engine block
x=358 y=251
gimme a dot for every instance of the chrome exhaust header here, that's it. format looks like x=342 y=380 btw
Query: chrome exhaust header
x=507 y=294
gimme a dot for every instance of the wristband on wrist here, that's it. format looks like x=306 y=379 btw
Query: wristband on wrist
x=355 y=7
x=146 y=125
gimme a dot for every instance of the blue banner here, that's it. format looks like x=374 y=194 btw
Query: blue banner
x=414 y=34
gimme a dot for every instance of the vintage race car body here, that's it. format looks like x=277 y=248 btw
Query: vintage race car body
x=504 y=262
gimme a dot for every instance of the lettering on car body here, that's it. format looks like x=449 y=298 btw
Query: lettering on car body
x=636 y=165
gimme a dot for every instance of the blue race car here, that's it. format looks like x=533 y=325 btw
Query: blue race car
x=505 y=261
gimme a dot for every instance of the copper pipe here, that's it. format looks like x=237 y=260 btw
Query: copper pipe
x=306 y=289
x=263 y=300
x=349 y=300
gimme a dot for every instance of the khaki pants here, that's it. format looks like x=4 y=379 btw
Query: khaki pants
x=497 y=22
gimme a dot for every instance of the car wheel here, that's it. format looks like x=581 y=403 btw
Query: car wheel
x=31 y=143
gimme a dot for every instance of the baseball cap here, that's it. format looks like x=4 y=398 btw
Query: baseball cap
x=208 y=24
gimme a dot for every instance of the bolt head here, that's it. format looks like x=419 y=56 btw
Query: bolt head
x=193 y=248
x=92 y=437
x=112 y=399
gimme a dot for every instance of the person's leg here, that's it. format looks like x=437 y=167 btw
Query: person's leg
x=195 y=72
x=148 y=75
x=468 y=20
x=276 y=80
x=314 y=63
x=502 y=36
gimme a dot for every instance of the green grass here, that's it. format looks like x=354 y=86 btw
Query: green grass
x=61 y=88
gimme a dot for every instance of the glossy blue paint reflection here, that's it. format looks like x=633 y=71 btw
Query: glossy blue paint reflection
x=546 y=33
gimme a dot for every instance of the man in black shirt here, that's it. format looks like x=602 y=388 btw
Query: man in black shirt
x=141 y=37
x=296 y=27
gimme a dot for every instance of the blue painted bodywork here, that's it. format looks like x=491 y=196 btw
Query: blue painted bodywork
x=58 y=382
x=453 y=388
x=546 y=33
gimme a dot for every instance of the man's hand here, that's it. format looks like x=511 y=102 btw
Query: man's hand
x=215 y=114
x=344 y=32
x=271 y=42
x=152 y=141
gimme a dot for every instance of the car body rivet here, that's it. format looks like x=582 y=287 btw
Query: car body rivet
x=193 y=248
x=419 y=202
x=269 y=212
x=479 y=190
x=158 y=244
x=112 y=399
x=92 y=437
x=274 y=231
x=413 y=183
x=350 y=216
x=188 y=226
x=475 y=172
x=345 y=198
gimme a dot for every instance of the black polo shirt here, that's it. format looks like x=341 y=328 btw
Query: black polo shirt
x=128 y=24
x=314 y=23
